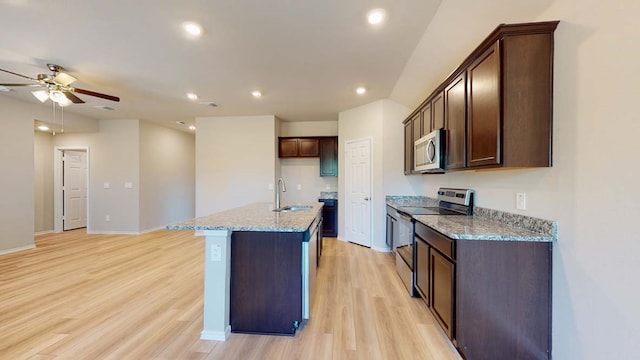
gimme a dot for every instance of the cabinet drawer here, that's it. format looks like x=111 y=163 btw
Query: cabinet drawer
x=438 y=241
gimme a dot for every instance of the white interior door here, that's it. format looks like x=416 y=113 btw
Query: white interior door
x=74 y=189
x=358 y=191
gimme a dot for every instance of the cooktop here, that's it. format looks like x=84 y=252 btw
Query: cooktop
x=420 y=210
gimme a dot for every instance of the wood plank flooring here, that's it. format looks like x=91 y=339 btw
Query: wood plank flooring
x=79 y=296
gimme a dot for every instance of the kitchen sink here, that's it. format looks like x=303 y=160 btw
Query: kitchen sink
x=292 y=208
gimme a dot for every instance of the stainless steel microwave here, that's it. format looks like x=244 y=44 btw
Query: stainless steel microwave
x=428 y=152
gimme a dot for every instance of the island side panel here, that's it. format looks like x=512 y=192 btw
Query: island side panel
x=266 y=282
x=216 y=284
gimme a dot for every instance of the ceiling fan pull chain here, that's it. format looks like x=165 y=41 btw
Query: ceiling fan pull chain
x=62 y=119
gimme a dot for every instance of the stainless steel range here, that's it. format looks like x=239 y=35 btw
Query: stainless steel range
x=450 y=202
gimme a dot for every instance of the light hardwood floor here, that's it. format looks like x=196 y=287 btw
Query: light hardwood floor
x=79 y=296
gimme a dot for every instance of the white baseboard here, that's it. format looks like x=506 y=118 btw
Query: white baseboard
x=92 y=232
x=43 y=232
x=381 y=249
x=216 y=335
x=14 y=250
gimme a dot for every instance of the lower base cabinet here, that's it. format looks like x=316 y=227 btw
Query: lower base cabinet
x=330 y=217
x=492 y=298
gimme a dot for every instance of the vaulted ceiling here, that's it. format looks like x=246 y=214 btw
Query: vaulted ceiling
x=307 y=57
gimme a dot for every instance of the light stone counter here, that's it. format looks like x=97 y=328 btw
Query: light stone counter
x=477 y=228
x=254 y=217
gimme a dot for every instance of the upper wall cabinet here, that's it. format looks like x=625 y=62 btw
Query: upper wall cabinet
x=328 y=156
x=298 y=147
x=497 y=105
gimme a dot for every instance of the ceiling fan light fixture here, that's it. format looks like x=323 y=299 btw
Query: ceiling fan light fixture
x=41 y=95
x=43 y=127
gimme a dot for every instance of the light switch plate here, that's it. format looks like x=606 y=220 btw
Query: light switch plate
x=107 y=185
x=216 y=252
x=128 y=185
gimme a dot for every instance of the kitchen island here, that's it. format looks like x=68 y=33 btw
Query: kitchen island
x=260 y=268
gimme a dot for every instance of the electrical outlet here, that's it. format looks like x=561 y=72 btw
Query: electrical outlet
x=107 y=217
x=216 y=252
x=270 y=187
x=521 y=201
x=299 y=187
x=107 y=185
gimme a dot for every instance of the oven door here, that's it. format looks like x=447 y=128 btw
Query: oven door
x=428 y=152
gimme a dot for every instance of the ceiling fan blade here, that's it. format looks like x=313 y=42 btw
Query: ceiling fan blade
x=20 y=85
x=64 y=79
x=16 y=74
x=74 y=99
x=93 y=93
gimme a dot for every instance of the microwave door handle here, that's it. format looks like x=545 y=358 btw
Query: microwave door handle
x=431 y=156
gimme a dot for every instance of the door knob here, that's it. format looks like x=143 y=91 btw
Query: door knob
x=366 y=198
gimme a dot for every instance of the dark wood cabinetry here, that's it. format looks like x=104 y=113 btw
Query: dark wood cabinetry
x=497 y=105
x=437 y=113
x=408 y=147
x=492 y=298
x=298 y=147
x=325 y=147
x=455 y=97
x=330 y=217
x=483 y=105
x=442 y=290
x=328 y=156
x=417 y=127
x=266 y=282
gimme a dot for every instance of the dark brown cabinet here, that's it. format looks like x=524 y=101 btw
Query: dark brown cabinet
x=497 y=106
x=492 y=298
x=408 y=147
x=417 y=127
x=483 y=106
x=455 y=98
x=421 y=250
x=298 y=147
x=442 y=290
x=330 y=217
x=328 y=156
x=437 y=113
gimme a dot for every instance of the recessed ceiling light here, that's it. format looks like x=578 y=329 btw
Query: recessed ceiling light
x=43 y=127
x=376 y=16
x=192 y=127
x=104 y=107
x=361 y=90
x=256 y=93
x=192 y=96
x=192 y=29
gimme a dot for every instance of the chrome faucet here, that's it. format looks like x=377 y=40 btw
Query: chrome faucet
x=284 y=189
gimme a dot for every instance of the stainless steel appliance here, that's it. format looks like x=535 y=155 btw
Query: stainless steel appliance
x=429 y=152
x=450 y=202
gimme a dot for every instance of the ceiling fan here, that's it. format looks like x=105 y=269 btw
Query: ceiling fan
x=57 y=87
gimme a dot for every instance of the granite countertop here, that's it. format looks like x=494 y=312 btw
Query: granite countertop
x=485 y=224
x=478 y=228
x=254 y=217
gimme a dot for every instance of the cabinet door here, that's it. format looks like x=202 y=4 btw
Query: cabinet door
x=483 y=107
x=288 y=148
x=408 y=148
x=417 y=127
x=437 y=111
x=442 y=290
x=328 y=157
x=427 y=124
x=308 y=147
x=422 y=269
x=330 y=218
x=455 y=122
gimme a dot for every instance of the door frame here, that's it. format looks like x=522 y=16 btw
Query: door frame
x=57 y=185
x=347 y=212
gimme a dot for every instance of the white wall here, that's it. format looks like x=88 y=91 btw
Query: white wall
x=591 y=190
x=17 y=185
x=235 y=161
x=167 y=176
x=43 y=181
x=308 y=128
